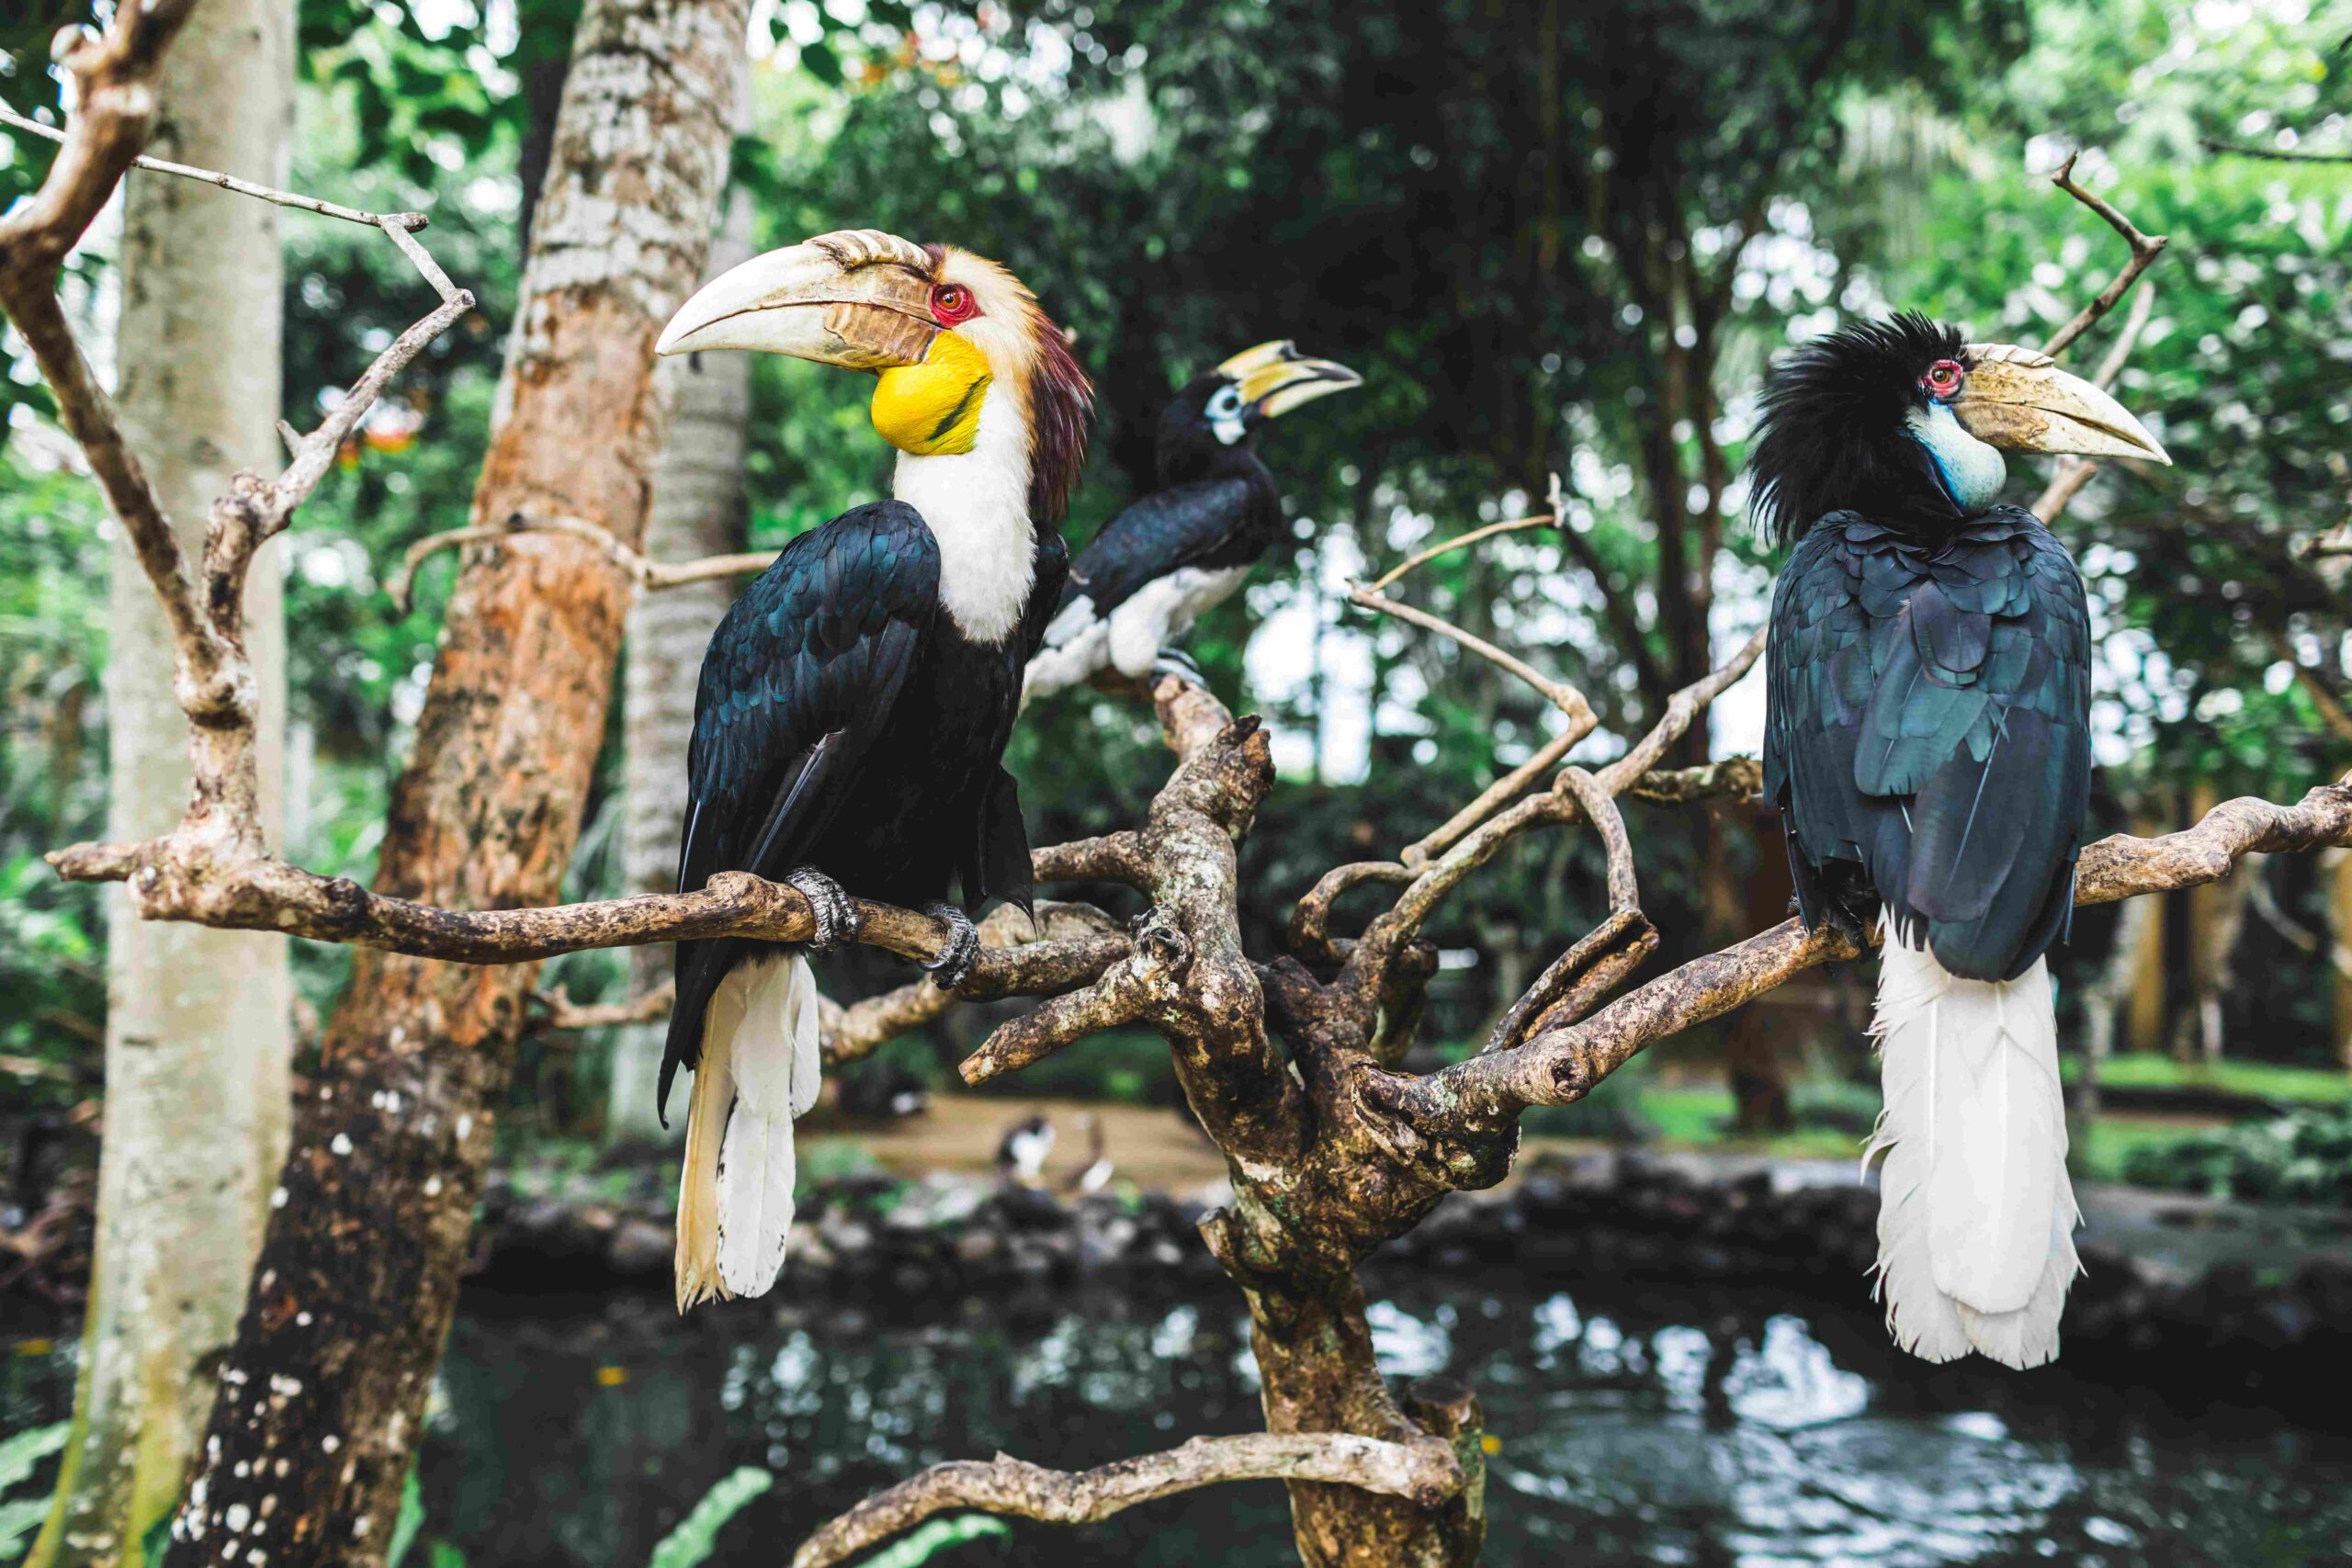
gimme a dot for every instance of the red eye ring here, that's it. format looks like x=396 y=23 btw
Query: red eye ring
x=951 y=303
x=1943 y=377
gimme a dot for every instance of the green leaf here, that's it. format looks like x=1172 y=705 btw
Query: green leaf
x=937 y=1537
x=411 y=1521
x=447 y=1556
x=820 y=60
x=17 y=1522
x=21 y=1454
x=691 y=1542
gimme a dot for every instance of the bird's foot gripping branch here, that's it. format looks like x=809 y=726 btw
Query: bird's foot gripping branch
x=1292 y=1060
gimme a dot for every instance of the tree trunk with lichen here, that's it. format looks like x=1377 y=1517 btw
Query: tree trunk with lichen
x=197 y=1035
x=323 y=1395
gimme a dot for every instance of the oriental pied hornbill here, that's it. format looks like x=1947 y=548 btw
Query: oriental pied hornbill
x=855 y=701
x=1158 y=566
x=1927 y=741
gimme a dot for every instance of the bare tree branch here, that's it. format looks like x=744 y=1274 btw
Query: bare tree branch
x=1561 y=1067
x=217 y=860
x=1424 y=1470
x=1559 y=694
x=1461 y=541
x=2146 y=248
x=230 y=183
x=2074 y=473
x=2276 y=155
x=648 y=574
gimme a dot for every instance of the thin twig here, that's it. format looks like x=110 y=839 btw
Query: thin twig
x=394 y=223
x=2074 y=473
x=647 y=574
x=2276 y=155
x=2146 y=248
x=1559 y=694
x=1460 y=541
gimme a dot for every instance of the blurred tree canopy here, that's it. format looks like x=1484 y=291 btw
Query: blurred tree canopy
x=1553 y=238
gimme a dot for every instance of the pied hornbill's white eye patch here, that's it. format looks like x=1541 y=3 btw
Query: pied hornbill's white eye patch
x=1224 y=413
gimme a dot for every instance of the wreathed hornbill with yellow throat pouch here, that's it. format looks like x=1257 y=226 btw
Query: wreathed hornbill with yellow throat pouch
x=855 y=703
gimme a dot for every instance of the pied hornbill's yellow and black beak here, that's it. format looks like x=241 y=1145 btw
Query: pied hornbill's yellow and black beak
x=1274 y=377
x=2018 y=399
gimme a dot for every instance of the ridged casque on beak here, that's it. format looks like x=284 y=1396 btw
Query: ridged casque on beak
x=1274 y=377
x=859 y=299
x=2018 y=398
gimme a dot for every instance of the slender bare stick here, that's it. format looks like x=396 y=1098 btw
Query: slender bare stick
x=1559 y=694
x=1541 y=520
x=384 y=221
x=2276 y=155
x=650 y=575
x=2146 y=248
x=2074 y=473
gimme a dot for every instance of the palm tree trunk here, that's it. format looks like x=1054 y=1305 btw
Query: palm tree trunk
x=197 y=1034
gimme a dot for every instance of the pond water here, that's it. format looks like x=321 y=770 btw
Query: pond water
x=1638 y=1426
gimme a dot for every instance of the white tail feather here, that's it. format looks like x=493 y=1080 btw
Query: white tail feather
x=760 y=1070
x=1975 y=1213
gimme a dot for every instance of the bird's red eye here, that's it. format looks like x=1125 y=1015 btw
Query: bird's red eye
x=1942 y=379
x=951 y=303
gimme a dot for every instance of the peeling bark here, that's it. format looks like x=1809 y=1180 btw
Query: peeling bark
x=322 y=1398
x=197 y=1028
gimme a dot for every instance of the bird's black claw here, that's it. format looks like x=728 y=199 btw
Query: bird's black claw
x=950 y=968
x=1851 y=917
x=1177 y=662
x=835 y=911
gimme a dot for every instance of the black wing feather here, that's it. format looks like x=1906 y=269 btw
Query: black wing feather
x=1205 y=523
x=1928 y=720
x=798 y=680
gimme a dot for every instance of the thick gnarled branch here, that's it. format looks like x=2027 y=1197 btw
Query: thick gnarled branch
x=1424 y=1470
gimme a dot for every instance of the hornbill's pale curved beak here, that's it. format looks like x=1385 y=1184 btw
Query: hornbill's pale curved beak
x=860 y=298
x=2017 y=398
x=1274 y=377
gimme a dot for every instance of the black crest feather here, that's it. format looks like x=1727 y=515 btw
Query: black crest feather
x=1832 y=437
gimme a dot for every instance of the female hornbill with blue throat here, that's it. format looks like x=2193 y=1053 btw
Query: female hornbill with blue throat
x=1927 y=741
x=855 y=701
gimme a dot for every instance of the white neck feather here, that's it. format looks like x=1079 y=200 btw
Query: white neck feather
x=977 y=504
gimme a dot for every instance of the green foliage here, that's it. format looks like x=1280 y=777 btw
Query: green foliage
x=935 y=1539
x=2304 y=1156
x=410 y=1520
x=2263 y=1080
x=20 y=1457
x=691 y=1544
x=1507 y=218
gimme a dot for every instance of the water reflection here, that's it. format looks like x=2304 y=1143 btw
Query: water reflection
x=1638 y=1426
